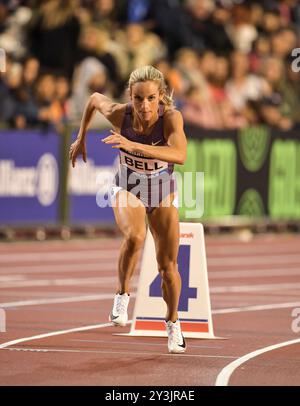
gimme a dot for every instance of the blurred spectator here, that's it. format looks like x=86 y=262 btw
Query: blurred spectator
x=44 y=109
x=198 y=13
x=172 y=77
x=189 y=74
x=271 y=21
x=240 y=30
x=206 y=24
x=12 y=38
x=274 y=72
x=3 y=16
x=30 y=75
x=62 y=94
x=295 y=14
x=95 y=42
x=251 y=114
x=48 y=110
x=207 y=63
x=243 y=85
x=283 y=41
x=90 y=77
x=293 y=78
x=261 y=49
x=169 y=16
x=200 y=110
x=142 y=47
x=218 y=39
x=271 y=114
x=54 y=34
x=217 y=80
x=26 y=109
x=138 y=10
x=257 y=15
x=285 y=8
x=9 y=84
x=107 y=13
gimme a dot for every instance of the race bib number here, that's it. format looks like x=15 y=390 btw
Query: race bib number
x=141 y=164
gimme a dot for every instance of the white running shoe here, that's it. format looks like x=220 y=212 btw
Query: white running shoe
x=176 y=342
x=118 y=315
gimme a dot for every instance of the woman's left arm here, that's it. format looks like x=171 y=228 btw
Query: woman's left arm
x=174 y=152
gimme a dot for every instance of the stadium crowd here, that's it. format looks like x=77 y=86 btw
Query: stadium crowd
x=228 y=63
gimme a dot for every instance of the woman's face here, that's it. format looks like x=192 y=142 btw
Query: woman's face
x=145 y=97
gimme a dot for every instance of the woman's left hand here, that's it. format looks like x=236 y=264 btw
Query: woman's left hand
x=119 y=141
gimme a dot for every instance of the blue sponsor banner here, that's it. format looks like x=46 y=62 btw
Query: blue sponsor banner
x=29 y=177
x=89 y=183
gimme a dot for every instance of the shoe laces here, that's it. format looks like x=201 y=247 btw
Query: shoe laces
x=122 y=303
x=174 y=332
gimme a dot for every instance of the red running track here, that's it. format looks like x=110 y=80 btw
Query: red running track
x=51 y=287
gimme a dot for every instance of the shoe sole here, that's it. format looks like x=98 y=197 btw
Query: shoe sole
x=177 y=351
x=116 y=324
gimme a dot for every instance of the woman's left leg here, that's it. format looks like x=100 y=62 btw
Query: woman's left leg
x=164 y=226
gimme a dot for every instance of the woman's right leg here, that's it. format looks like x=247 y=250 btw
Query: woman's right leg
x=130 y=216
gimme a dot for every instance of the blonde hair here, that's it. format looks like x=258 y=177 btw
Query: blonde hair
x=149 y=73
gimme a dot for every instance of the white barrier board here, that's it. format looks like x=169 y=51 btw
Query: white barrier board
x=194 y=305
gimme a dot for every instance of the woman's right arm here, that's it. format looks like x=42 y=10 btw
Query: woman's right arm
x=110 y=110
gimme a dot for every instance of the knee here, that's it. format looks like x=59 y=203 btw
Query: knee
x=168 y=274
x=135 y=240
x=167 y=267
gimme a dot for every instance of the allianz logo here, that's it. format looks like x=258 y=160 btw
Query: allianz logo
x=89 y=179
x=40 y=181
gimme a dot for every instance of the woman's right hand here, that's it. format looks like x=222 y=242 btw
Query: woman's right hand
x=77 y=148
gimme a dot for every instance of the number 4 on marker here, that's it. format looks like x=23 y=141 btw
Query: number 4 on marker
x=184 y=270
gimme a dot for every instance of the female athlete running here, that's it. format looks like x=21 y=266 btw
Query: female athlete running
x=149 y=134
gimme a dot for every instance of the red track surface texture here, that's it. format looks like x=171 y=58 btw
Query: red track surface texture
x=53 y=287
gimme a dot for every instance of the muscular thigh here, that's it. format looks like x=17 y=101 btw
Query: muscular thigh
x=164 y=226
x=129 y=214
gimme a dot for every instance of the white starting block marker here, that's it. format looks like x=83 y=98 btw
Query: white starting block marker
x=194 y=305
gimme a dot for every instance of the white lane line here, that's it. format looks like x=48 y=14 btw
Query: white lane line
x=56 y=243
x=30 y=294
x=54 y=333
x=60 y=282
x=86 y=298
x=225 y=374
x=254 y=260
x=10 y=278
x=84 y=267
x=254 y=288
x=255 y=273
x=109 y=352
x=142 y=343
x=55 y=256
x=264 y=249
x=256 y=308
